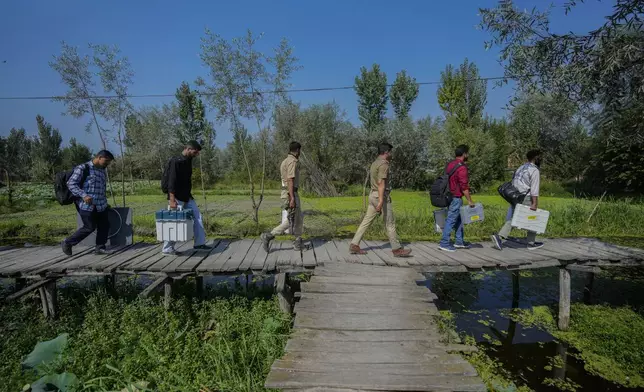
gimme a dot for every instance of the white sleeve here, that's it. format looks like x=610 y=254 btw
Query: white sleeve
x=535 y=182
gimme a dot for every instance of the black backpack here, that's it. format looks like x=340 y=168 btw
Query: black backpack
x=439 y=193
x=63 y=195
x=164 y=176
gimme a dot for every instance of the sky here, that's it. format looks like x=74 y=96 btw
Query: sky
x=331 y=38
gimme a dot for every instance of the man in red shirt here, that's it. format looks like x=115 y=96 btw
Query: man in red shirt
x=459 y=187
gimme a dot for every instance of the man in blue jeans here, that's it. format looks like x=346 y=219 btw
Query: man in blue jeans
x=458 y=187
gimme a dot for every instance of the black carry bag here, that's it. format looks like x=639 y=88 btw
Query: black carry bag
x=510 y=193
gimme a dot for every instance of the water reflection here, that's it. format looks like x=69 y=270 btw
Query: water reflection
x=532 y=355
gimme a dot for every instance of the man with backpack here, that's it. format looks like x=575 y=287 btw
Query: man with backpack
x=177 y=183
x=458 y=182
x=380 y=203
x=526 y=180
x=87 y=185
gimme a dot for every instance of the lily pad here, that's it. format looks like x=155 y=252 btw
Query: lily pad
x=62 y=382
x=45 y=352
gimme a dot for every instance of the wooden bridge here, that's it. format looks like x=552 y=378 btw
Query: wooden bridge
x=360 y=324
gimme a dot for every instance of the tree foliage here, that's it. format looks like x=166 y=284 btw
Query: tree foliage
x=371 y=87
x=462 y=95
x=46 y=150
x=403 y=94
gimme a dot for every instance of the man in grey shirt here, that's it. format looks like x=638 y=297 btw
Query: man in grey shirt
x=527 y=180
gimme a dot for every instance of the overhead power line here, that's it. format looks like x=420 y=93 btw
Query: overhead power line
x=204 y=94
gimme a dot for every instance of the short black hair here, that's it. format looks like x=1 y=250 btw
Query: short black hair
x=194 y=145
x=384 y=147
x=105 y=154
x=294 y=147
x=533 y=154
x=461 y=150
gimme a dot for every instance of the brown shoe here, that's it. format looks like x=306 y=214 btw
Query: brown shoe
x=355 y=250
x=401 y=252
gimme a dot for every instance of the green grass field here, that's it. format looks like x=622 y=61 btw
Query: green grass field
x=230 y=215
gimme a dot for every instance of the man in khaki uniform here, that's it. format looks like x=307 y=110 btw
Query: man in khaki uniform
x=380 y=202
x=290 y=174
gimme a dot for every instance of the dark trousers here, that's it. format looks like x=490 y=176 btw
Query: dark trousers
x=93 y=220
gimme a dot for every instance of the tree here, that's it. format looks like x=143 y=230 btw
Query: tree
x=17 y=156
x=192 y=113
x=604 y=66
x=46 y=148
x=80 y=99
x=403 y=94
x=462 y=95
x=239 y=73
x=371 y=87
x=116 y=76
x=75 y=154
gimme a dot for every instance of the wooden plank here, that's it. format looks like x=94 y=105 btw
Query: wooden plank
x=121 y=262
x=609 y=248
x=393 y=348
x=312 y=306
x=361 y=322
x=484 y=258
x=408 y=369
x=366 y=299
x=367 y=336
x=369 y=358
x=308 y=256
x=410 y=290
x=591 y=249
x=258 y=261
x=321 y=254
x=334 y=253
x=424 y=256
x=343 y=254
x=41 y=267
x=20 y=253
x=282 y=379
x=160 y=259
x=207 y=265
x=432 y=250
x=26 y=260
x=84 y=261
x=364 y=270
x=28 y=289
x=218 y=264
x=383 y=250
x=369 y=281
x=157 y=283
x=235 y=259
x=250 y=256
x=371 y=257
x=193 y=262
x=271 y=259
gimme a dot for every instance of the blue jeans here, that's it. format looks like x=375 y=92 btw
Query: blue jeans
x=453 y=222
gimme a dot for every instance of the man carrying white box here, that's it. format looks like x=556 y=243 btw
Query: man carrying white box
x=177 y=183
x=526 y=180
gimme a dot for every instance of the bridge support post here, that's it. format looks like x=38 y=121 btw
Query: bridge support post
x=563 y=320
x=49 y=300
x=167 y=297
x=588 y=287
x=283 y=291
x=110 y=284
x=199 y=284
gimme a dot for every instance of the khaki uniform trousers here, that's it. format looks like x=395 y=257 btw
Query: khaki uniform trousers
x=299 y=219
x=388 y=216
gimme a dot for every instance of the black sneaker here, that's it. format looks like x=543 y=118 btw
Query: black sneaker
x=535 y=245
x=67 y=249
x=266 y=241
x=496 y=240
x=171 y=253
x=102 y=251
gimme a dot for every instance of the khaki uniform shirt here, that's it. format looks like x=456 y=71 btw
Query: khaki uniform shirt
x=290 y=168
x=379 y=172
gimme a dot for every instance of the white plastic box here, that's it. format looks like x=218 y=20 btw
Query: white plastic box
x=526 y=219
x=439 y=219
x=471 y=215
x=173 y=225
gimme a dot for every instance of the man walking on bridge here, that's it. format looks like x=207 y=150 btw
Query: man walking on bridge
x=290 y=175
x=87 y=183
x=380 y=203
x=526 y=180
x=177 y=183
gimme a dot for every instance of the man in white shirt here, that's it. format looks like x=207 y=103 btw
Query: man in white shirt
x=527 y=180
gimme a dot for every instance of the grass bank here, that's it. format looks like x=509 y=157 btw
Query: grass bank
x=223 y=343
x=229 y=215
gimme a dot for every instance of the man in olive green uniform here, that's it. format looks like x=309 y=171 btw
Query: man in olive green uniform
x=290 y=174
x=380 y=202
